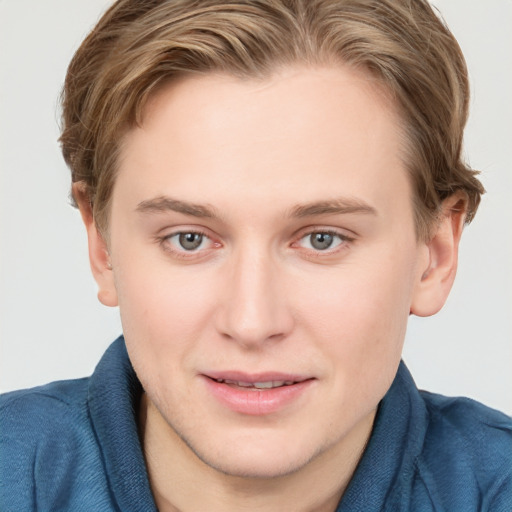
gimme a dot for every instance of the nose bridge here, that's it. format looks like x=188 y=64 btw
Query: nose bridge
x=254 y=308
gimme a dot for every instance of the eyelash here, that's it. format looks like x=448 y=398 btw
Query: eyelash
x=165 y=242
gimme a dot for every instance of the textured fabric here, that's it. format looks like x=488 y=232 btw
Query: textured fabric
x=428 y=453
x=73 y=446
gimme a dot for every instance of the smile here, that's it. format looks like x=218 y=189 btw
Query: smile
x=257 y=395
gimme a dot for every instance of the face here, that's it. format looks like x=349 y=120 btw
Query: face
x=265 y=262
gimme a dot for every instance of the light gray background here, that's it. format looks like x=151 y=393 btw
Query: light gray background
x=51 y=325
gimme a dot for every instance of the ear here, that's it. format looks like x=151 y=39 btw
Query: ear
x=99 y=256
x=436 y=280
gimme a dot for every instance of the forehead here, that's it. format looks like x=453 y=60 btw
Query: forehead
x=299 y=135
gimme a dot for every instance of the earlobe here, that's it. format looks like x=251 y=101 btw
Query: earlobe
x=99 y=256
x=436 y=278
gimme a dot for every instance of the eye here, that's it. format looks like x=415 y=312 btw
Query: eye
x=322 y=240
x=188 y=241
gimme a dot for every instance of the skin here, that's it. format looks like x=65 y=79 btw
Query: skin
x=257 y=167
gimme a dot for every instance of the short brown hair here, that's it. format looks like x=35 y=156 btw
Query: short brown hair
x=138 y=45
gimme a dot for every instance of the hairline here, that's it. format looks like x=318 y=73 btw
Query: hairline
x=379 y=87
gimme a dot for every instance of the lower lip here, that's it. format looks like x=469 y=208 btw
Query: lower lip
x=257 y=402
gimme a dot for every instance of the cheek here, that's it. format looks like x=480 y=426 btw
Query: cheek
x=360 y=315
x=161 y=305
x=362 y=327
x=162 y=314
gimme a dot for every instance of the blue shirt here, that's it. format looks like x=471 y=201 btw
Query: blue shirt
x=73 y=445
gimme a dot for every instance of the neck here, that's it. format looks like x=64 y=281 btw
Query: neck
x=176 y=474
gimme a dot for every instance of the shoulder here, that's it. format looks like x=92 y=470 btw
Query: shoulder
x=38 y=410
x=471 y=425
x=471 y=444
x=46 y=440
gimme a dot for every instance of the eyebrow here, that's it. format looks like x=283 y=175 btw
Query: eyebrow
x=164 y=203
x=344 y=205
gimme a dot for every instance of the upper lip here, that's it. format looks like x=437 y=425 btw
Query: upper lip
x=251 y=378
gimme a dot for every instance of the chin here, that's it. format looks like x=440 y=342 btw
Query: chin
x=274 y=466
x=262 y=460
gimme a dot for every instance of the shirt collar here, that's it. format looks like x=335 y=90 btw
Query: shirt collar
x=382 y=479
x=113 y=397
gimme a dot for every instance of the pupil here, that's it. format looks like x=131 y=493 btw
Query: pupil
x=190 y=241
x=321 y=241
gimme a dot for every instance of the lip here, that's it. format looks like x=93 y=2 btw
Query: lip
x=252 y=401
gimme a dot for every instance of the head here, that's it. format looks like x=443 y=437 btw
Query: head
x=270 y=188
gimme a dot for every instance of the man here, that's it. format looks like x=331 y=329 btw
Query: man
x=269 y=189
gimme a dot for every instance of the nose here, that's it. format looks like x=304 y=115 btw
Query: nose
x=254 y=304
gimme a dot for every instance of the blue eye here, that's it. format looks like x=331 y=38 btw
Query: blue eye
x=321 y=240
x=188 y=241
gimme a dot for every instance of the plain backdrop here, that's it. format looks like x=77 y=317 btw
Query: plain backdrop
x=51 y=324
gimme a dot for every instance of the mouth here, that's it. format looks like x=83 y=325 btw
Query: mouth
x=258 y=395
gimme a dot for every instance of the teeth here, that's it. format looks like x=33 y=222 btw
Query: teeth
x=268 y=385
x=240 y=383
x=258 y=385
